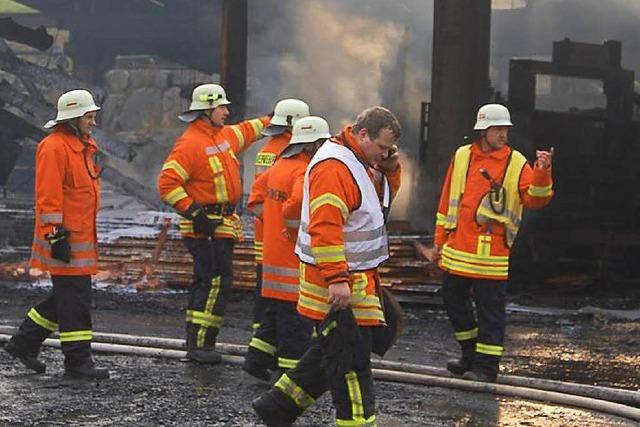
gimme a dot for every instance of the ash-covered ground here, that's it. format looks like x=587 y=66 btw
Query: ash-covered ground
x=587 y=348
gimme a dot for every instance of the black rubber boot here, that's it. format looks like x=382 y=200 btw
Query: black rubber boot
x=275 y=409
x=256 y=370
x=482 y=376
x=86 y=371
x=206 y=352
x=28 y=358
x=465 y=363
x=204 y=355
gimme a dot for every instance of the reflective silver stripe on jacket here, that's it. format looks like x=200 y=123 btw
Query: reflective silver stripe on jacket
x=55 y=217
x=280 y=271
x=364 y=236
x=217 y=149
x=75 y=262
x=80 y=247
x=353 y=258
x=279 y=287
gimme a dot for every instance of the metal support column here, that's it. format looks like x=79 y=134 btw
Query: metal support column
x=460 y=84
x=233 y=64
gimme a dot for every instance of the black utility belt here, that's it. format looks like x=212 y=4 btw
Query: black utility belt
x=220 y=209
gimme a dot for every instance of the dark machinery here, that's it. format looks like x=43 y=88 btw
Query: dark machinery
x=583 y=104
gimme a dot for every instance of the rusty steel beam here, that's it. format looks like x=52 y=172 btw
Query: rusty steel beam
x=233 y=61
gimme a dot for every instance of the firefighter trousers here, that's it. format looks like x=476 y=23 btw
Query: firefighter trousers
x=282 y=338
x=67 y=309
x=259 y=303
x=209 y=290
x=487 y=332
x=353 y=393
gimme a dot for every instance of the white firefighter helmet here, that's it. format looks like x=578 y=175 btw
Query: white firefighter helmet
x=285 y=114
x=492 y=115
x=204 y=97
x=309 y=129
x=288 y=111
x=305 y=131
x=73 y=104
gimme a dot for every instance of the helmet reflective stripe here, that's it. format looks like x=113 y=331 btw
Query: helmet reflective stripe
x=208 y=96
x=288 y=111
x=492 y=115
x=309 y=129
x=204 y=97
x=71 y=105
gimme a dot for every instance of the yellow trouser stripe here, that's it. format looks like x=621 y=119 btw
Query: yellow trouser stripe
x=39 y=320
x=205 y=319
x=492 y=350
x=74 y=336
x=211 y=300
x=263 y=346
x=467 y=335
x=329 y=199
x=301 y=398
x=285 y=363
x=177 y=167
x=355 y=396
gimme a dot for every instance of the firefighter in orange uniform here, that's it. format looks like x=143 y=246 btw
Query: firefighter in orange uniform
x=283 y=334
x=285 y=114
x=67 y=193
x=200 y=179
x=341 y=242
x=487 y=186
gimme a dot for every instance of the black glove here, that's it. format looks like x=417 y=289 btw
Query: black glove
x=202 y=224
x=60 y=248
x=341 y=343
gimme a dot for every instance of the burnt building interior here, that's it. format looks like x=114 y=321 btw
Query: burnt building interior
x=582 y=102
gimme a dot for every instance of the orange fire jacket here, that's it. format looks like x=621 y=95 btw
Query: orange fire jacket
x=65 y=194
x=282 y=187
x=471 y=238
x=332 y=177
x=203 y=168
x=265 y=158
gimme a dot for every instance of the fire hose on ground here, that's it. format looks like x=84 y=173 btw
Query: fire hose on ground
x=602 y=399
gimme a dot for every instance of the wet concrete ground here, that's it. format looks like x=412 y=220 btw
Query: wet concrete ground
x=148 y=392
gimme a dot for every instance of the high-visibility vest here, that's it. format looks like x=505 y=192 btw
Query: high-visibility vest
x=504 y=207
x=365 y=234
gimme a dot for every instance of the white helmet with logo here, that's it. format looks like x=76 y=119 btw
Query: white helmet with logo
x=305 y=131
x=204 y=97
x=71 y=105
x=310 y=129
x=492 y=115
x=285 y=114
